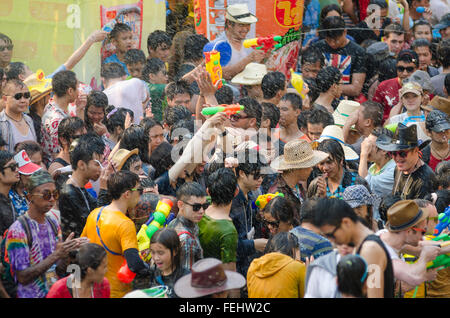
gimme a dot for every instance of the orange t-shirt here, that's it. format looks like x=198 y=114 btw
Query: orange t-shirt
x=118 y=233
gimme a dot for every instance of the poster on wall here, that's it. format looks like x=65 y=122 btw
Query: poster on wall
x=130 y=14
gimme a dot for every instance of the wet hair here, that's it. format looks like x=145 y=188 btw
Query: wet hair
x=332 y=211
x=14 y=69
x=177 y=88
x=112 y=70
x=96 y=99
x=224 y=95
x=252 y=108
x=272 y=112
x=175 y=114
x=294 y=99
x=62 y=81
x=312 y=55
x=30 y=146
x=191 y=189
x=351 y=275
x=442 y=201
x=250 y=162
x=130 y=161
x=222 y=185
x=134 y=137
x=170 y=240
x=120 y=182
x=302 y=119
x=117 y=29
x=5 y=156
x=148 y=123
x=89 y=255
x=334 y=149
x=158 y=38
x=386 y=203
x=408 y=56
x=177 y=52
x=68 y=127
x=182 y=130
x=193 y=47
x=152 y=66
x=327 y=9
x=326 y=77
x=332 y=27
x=387 y=69
x=443 y=174
x=443 y=52
x=161 y=159
x=421 y=22
x=116 y=119
x=421 y=43
x=318 y=116
x=86 y=147
x=134 y=56
x=283 y=242
x=393 y=28
x=373 y=110
x=281 y=209
x=272 y=83
x=146 y=205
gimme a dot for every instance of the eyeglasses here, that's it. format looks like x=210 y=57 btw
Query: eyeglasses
x=418 y=229
x=402 y=153
x=271 y=223
x=197 y=206
x=12 y=166
x=237 y=117
x=18 y=96
x=409 y=69
x=8 y=47
x=331 y=235
x=140 y=190
x=47 y=195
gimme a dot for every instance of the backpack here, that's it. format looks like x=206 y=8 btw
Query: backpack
x=7 y=277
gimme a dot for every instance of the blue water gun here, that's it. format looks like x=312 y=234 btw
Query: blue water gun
x=444 y=221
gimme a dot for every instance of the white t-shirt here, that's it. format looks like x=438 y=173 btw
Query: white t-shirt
x=321 y=283
x=236 y=56
x=129 y=94
x=421 y=135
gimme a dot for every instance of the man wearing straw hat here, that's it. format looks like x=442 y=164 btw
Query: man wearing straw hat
x=238 y=20
x=295 y=166
x=250 y=79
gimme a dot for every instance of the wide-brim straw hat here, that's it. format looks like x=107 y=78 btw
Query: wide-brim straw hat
x=335 y=132
x=239 y=13
x=403 y=215
x=298 y=154
x=38 y=85
x=252 y=74
x=121 y=156
x=344 y=110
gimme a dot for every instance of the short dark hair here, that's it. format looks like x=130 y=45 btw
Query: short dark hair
x=134 y=56
x=387 y=69
x=332 y=211
x=250 y=162
x=272 y=112
x=118 y=28
x=191 y=189
x=30 y=146
x=222 y=185
x=161 y=159
x=252 y=108
x=120 y=182
x=282 y=242
x=68 y=126
x=131 y=160
x=381 y=3
x=177 y=88
x=116 y=119
x=86 y=147
x=443 y=174
x=62 y=81
x=152 y=66
x=333 y=27
x=182 y=130
x=385 y=203
x=443 y=52
x=224 y=95
x=134 y=137
x=442 y=201
x=302 y=119
x=421 y=43
x=373 y=110
x=408 y=56
x=447 y=83
x=294 y=99
x=13 y=82
x=334 y=149
x=193 y=47
x=393 y=28
x=421 y=22
x=378 y=131
x=326 y=77
x=5 y=38
x=312 y=55
x=112 y=70
x=14 y=69
x=5 y=156
x=318 y=116
x=351 y=274
x=157 y=38
x=176 y=113
x=282 y=209
x=272 y=83
x=96 y=99
x=327 y=9
x=307 y=211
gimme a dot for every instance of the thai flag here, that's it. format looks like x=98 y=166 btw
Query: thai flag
x=341 y=62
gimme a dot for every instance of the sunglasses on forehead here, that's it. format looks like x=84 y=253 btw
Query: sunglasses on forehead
x=18 y=96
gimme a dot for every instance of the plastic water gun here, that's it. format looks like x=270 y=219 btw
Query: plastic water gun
x=156 y=221
x=298 y=83
x=228 y=109
x=440 y=262
x=125 y=275
x=420 y=9
x=444 y=221
x=212 y=65
x=263 y=199
x=264 y=43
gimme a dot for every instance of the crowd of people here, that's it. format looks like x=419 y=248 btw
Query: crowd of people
x=333 y=194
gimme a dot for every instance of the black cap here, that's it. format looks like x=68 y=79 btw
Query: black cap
x=437 y=121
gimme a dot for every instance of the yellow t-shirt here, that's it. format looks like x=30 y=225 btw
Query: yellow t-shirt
x=118 y=234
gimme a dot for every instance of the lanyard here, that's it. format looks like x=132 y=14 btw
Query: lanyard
x=98 y=233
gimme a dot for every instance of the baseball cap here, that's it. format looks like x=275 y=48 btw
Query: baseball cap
x=380 y=50
x=26 y=167
x=443 y=23
x=437 y=121
x=410 y=87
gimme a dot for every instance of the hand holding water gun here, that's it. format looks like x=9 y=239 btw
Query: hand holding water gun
x=263 y=199
x=213 y=67
x=444 y=221
x=264 y=43
x=228 y=109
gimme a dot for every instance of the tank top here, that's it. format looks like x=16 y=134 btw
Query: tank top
x=389 y=283
x=18 y=137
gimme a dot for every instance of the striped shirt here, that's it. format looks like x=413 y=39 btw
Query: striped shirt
x=311 y=244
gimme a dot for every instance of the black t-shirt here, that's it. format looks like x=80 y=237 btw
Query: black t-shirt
x=349 y=59
x=416 y=185
x=367 y=34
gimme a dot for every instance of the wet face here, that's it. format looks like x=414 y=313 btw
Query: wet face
x=330 y=167
x=94 y=168
x=254 y=91
x=411 y=101
x=135 y=69
x=314 y=130
x=136 y=167
x=395 y=42
x=124 y=41
x=180 y=100
x=238 y=31
x=441 y=137
x=336 y=43
x=193 y=208
x=156 y=135
x=95 y=114
x=424 y=54
x=405 y=69
x=162 y=257
x=423 y=32
x=162 y=52
x=310 y=70
x=288 y=115
x=14 y=105
x=6 y=50
x=162 y=77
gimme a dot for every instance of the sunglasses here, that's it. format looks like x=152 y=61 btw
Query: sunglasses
x=47 y=195
x=197 y=206
x=237 y=117
x=418 y=229
x=331 y=235
x=8 y=47
x=409 y=69
x=140 y=190
x=402 y=153
x=271 y=223
x=18 y=96
x=12 y=166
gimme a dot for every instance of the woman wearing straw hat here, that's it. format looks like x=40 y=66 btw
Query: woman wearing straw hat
x=295 y=166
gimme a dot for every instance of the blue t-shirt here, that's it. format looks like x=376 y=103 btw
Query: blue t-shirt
x=114 y=59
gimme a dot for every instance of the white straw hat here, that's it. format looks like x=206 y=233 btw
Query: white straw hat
x=239 y=13
x=335 y=132
x=252 y=74
x=344 y=110
x=298 y=154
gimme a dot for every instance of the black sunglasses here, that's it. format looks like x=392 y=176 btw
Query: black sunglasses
x=409 y=69
x=331 y=235
x=47 y=195
x=18 y=96
x=12 y=166
x=402 y=154
x=236 y=117
x=271 y=223
x=8 y=47
x=197 y=206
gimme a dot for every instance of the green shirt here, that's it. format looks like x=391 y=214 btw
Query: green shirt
x=157 y=99
x=218 y=239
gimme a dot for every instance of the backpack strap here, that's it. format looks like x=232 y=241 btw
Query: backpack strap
x=53 y=225
x=26 y=226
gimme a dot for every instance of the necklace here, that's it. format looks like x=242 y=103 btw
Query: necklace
x=437 y=155
x=17 y=121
